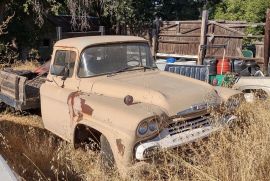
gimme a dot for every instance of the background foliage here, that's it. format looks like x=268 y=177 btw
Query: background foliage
x=29 y=21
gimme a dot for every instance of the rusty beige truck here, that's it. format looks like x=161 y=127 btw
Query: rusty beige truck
x=107 y=90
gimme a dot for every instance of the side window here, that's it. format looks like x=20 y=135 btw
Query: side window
x=60 y=58
x=64 y=60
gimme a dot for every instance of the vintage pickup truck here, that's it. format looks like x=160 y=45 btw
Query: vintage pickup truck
x=107 y=90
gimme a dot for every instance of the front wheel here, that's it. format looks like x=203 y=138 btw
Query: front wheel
x=106 y=154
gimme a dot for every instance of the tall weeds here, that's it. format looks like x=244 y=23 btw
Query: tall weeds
x=238 y=152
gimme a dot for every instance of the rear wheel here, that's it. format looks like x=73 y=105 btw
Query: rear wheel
x=106 y=154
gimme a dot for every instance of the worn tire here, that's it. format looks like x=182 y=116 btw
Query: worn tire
x=106 y=154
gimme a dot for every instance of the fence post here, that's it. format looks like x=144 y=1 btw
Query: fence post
x=155 y=34
x=102 y=30
x=204 y=27
x=58 y=33
x=267 y=41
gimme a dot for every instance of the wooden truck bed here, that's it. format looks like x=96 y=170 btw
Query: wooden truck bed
x=20 y=89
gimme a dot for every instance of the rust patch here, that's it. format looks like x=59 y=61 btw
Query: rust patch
x=86 y=109
x=77 y=107
x=120 y=146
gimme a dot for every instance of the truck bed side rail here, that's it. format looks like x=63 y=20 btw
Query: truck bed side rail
x=15 y=92
x=12 y=88
x=199 y=72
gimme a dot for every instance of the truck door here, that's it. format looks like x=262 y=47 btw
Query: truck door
x=55 y=92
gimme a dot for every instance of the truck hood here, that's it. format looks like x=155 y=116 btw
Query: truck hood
x=172 y=92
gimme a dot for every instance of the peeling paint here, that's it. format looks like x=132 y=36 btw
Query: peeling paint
x=77 y=107
x=86 y=109
x=120 y=146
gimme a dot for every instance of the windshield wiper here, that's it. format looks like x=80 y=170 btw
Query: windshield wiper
x=132 y=67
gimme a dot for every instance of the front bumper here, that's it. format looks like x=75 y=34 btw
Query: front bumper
x=173 y=137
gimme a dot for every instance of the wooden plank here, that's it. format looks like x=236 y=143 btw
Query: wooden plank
x=22 y=89
x=9 y=85
x=8 y=89
x=204 y=28
x=178 y=42
x=7 y=80
x=267 y=41
x=236 y=36
x=238 y=57
x=215 y=35
x=167 y=27
x=8 y=76
x=156 y=31
x=180 y=35
x=246 y=25
x=179 y=28
x=229 y=29
x=17 y=88
x=8 y=92
x=231 y=22
x=183 y=22
x=188 y=31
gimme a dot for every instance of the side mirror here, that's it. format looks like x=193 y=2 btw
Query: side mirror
x=65 y=73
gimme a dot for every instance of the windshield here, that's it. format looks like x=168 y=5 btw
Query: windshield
x=105 y=59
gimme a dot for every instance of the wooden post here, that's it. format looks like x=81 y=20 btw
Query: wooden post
x=101 y=30
x=267 y=41
x=204 y=27
x=59 y=33
x=155 y=35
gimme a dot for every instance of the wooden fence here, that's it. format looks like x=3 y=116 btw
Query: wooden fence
x=204 y=38
x=183 y=37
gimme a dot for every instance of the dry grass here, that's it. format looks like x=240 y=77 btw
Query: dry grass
x=237 y=153
x=21 y=65
x=27 y=65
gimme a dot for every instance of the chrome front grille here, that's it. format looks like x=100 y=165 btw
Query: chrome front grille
x=183 y=126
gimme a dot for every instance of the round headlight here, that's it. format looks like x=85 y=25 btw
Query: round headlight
x=143 y=128
x=153 y=126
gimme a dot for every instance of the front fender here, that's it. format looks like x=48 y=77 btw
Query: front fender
x=113 y=118
x=254 y=87
x=121 y=143
x=253 y=83
x=226 y=93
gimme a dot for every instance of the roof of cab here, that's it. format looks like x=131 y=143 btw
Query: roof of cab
x=82 y=42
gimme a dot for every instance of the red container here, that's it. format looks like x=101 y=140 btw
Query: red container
x=226 y=66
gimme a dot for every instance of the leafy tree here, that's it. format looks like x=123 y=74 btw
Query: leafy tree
x=249 y=10
x=179 y=10
x=184 y=9
x=135 y=14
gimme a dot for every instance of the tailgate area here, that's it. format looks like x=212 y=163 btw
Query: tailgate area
x=20 y=89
